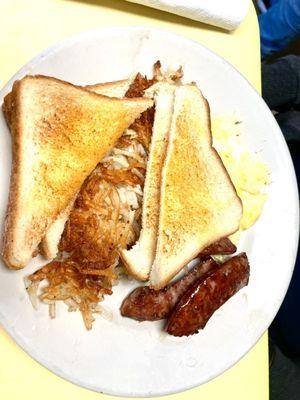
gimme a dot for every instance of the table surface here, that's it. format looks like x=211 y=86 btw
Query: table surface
x=28 y=27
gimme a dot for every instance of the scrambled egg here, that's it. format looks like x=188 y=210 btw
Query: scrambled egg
x=249 y=174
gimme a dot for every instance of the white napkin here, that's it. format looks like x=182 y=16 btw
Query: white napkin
x=227 y=14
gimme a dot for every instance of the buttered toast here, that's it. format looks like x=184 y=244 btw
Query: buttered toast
x=60 y=132
x=198 y=202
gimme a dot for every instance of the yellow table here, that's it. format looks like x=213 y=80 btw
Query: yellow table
x=26 y=28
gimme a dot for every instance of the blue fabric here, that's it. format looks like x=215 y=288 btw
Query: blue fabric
x=279 y=25
x=272 y=2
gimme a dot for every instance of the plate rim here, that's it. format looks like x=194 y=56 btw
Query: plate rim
x=78 y=37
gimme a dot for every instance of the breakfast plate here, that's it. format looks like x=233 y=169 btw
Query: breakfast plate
x=120 y=356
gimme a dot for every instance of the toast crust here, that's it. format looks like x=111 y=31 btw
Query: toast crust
x=111 y=89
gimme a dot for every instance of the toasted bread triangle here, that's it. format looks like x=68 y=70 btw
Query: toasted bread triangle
x=198 y=203
x=60 y=132
x=139 y=259
x=111 y=89
x=50 y=242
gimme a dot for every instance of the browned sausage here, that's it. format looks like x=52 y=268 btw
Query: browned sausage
x=222 y=247
x=206 y=295
x=145 y=304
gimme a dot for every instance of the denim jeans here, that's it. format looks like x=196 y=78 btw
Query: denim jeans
x=279 y=25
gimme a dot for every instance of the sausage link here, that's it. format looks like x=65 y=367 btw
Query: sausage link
x=145 y=304
x=206 y=295
x=223 y=246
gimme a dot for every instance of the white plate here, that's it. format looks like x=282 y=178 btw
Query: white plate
x=123 y=357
